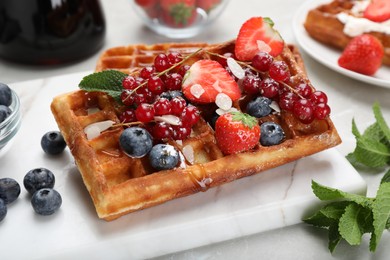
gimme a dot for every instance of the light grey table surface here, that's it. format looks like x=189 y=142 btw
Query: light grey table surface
x=348 y=98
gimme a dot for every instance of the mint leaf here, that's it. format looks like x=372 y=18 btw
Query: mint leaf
x=334 y=237
x=381 y=213
x=381 y=121
x=386 y=177
x=372 y=152
x=108 y=81
x=355 y=130
x=328 y=215
x=326 y=193
x=349 y=227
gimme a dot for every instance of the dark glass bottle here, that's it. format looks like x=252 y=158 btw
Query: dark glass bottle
x=50 y=31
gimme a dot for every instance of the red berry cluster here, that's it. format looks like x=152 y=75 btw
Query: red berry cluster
x=305 y=103
x=143 y=95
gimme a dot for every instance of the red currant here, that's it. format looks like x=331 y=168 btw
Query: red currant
x=251 y=84
x=269 y=88
x=321 y=111
x=140 y=98
x=183 y=70
x=287 y=100
x=156 y=85
x=223 y=61
x=174 y=57
x=129 y=82
x=127 y=116
x=162 y=107
x=304 y=90
x=127 y=97
x=318 y=97
x=190 y=116
x=279 y=71
x=181 y=132
x=304 y=111
x=161 y=62
x=262 y=61
x=177 y=105
x=144 y=113
x=147 y=72
x=173 y=81
x=161 y=130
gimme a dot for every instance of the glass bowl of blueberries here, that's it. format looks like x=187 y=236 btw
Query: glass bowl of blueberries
x=10 y=117
x=178 y=19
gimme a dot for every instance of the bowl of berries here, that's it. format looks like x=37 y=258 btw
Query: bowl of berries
x=178 y=19
x=10 y=118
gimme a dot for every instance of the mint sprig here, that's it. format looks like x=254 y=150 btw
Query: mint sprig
x=109 y=81
x=349 y=216
x=373 y=146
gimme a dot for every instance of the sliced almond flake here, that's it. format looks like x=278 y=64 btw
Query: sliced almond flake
x=197 y=90
x=275 y=106
x=235 y=68
x=223 y=101
x=92 y=110
x=262 y=46
x=93 y=130
x=170 y=119
x=179 y=142
x=220 y=111
x=188 y=153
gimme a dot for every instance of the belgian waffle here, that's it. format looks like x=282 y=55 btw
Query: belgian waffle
x=323 y=25
x=119 y=184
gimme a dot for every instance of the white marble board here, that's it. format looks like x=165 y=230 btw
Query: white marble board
x=270 y=200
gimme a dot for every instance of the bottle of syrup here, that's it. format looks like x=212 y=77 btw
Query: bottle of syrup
x=45 y=32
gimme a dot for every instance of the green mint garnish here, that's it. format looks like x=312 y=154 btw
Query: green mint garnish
x=109 y=81
x=349 y=216
x=373 y=146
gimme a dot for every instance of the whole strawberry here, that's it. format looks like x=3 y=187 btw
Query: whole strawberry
x=236 y=132
x=363 y=54
x=178 y=13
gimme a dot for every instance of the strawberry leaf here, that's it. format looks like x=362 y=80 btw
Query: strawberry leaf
x=246 y=119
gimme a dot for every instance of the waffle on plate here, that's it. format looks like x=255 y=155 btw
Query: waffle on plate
x=120 y=184
x=325 y=24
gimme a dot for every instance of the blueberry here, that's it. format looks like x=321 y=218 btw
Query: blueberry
x=46 y=201
x=9 y=190
x=172 y=94
x=213 y=119
x=53 y=143
x=271 y=134
x=259 y=107
x=5 y=95
x=3 y=210
x=37 y=179
x=4 y=112
x=136 y=142
x=163 y=157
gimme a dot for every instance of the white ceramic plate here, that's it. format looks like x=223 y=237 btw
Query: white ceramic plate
x=329 y=56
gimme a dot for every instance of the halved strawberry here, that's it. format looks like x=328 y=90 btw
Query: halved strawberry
x=206 y=79
x=363 y=54
x=256 y=34
x=378 y=11
x=236 y=132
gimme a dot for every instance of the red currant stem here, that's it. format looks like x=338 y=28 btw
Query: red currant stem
x=169 y=69
x=128 y=124
x=263 y=74
x=291 y=88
